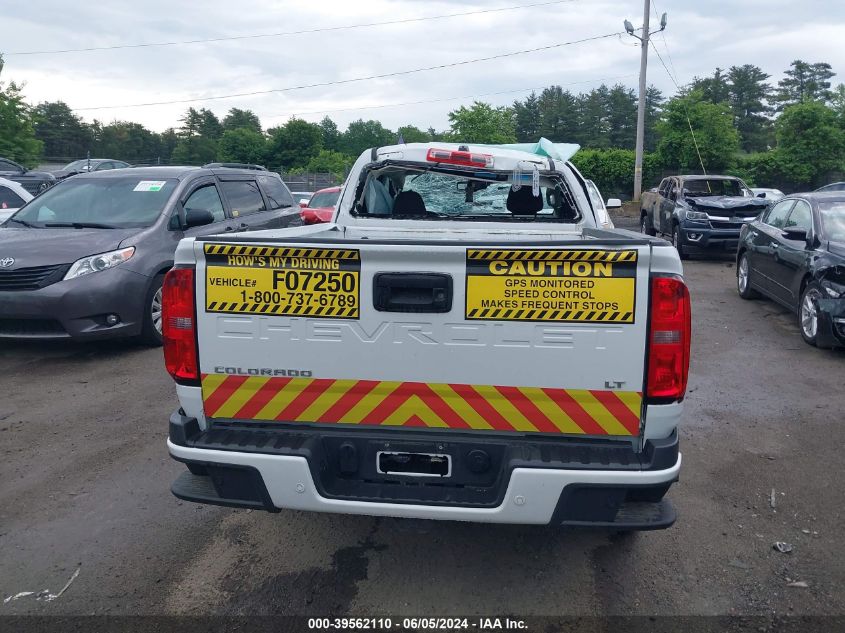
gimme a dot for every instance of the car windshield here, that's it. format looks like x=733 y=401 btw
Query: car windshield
x=715 y=187
x=441 y=194
x=79 y=165
x=833 y=220
x=325 y=199
x=127 y=202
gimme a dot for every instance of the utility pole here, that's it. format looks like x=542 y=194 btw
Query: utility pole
x=638 y=161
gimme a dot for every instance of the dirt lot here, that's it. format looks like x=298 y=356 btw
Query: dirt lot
x=84 y=480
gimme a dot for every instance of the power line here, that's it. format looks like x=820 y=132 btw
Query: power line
x=353 y=80
x=427 y=101
x=666 y=68
x=686 y=111
x=288 y=33
x=665 y=43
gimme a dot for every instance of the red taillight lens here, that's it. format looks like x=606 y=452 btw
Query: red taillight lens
x=454 y=157
x=178 y=325
x=669 y=339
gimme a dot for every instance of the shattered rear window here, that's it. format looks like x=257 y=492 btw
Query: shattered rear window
x=410 y=193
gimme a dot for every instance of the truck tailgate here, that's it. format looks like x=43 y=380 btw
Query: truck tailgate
x=507 y=337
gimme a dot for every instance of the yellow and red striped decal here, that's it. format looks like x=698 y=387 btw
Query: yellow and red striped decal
x=416 y=404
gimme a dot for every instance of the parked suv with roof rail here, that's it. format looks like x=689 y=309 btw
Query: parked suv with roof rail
x=235 y=166
x=86 y=259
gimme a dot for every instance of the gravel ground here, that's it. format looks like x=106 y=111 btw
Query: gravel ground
x=84 y=483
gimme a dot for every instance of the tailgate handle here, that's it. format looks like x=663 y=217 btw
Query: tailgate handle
x=412 y=292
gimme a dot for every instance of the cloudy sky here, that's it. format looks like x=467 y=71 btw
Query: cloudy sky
x=700 y=37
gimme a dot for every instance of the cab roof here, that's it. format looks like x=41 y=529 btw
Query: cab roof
x=506 y=157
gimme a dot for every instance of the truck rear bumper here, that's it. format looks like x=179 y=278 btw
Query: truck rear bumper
x=618 y=499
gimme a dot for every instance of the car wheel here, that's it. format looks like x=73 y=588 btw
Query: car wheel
x=645 y=226
x=151 y=329
x=808 y=315
x=743 y=280
x=676 y=242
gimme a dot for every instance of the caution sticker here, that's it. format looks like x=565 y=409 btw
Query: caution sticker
x=283 y=281
x=581 y=286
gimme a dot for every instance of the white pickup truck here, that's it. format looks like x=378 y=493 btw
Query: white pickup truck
x=462 y=342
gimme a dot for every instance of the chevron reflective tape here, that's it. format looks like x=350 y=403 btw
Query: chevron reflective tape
x=415 y=404
x=573 y=285
x=282 y=281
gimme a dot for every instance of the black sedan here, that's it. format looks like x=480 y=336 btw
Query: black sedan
x=794 y=253
x=33 y=181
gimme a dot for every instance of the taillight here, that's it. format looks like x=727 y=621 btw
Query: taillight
x=179 y=327
x=669 y=339
x=460 y=157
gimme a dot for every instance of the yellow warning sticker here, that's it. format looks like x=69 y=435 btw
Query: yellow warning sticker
x=580 y=286
x=283 y=281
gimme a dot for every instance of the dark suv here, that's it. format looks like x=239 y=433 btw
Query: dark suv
x=86 y=259
x=33 y=181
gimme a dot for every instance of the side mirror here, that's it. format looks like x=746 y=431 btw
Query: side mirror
x=197 y=217
x=614 y=203
x=795 y=233
x=761 y=195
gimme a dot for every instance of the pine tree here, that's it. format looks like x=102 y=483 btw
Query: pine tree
x=805 y=82
x=558 y=115
x=748 y=95
x=527 y=118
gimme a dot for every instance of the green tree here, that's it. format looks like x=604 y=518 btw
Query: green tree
x=242 y=145
x=715 y=89
x=593 y=126
x=167 y=143
x=330 y=133
x=837 y=102
x=558 y=116
x=194 y=147
x=653 y=109
x=748 y=92
x=17 y=127
x=237 y=118
x=63 y=133
x=362 y=135
x=412 y=134
x=622 y=117
x=329 y=161
x=482 y=123
x=294 y=144
x=811 y=143
x=804 y=82
x=125 y=140
x=526 y=117
x=209 y=125
x=712 y=124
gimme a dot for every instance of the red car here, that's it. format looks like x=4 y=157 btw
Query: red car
x=321 y=206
